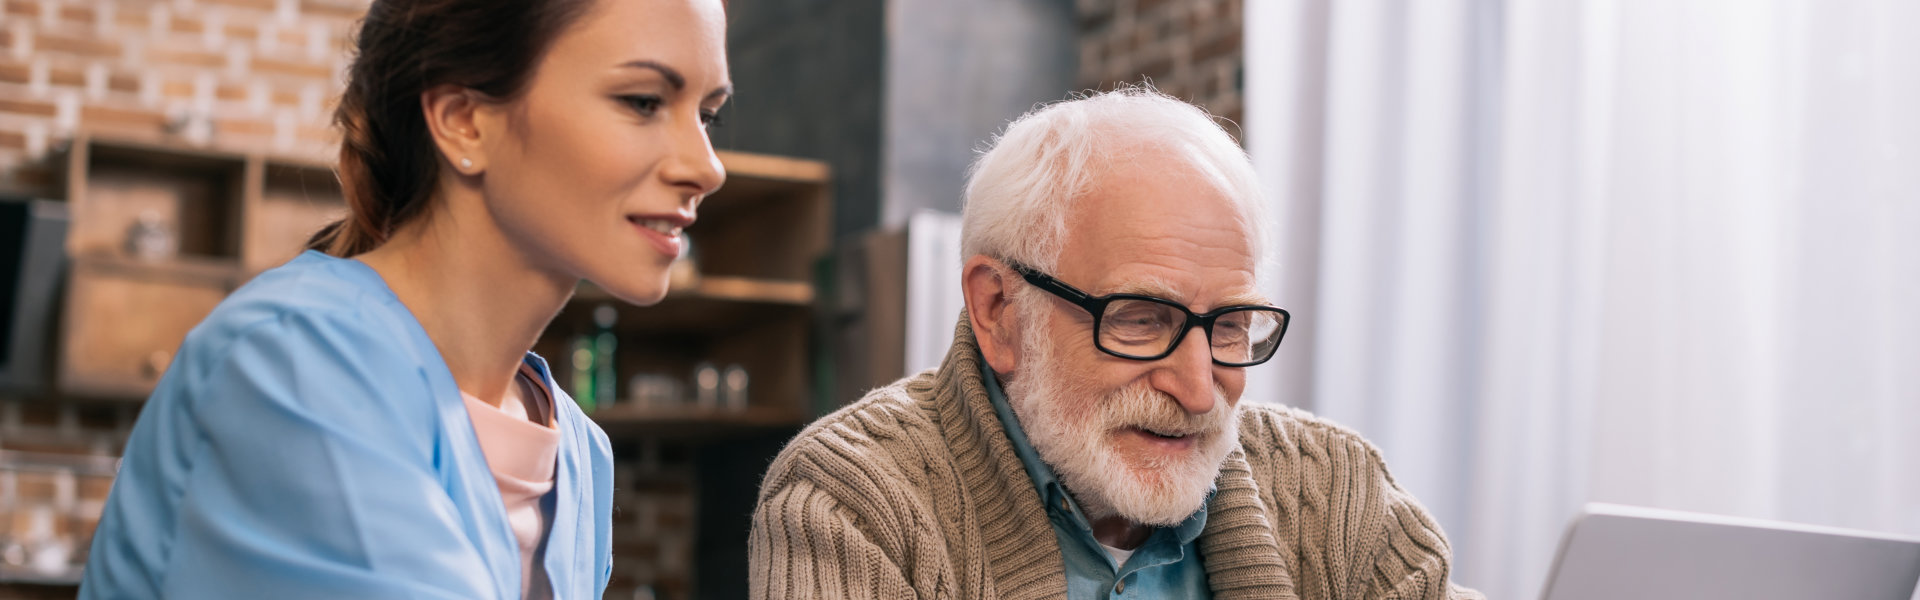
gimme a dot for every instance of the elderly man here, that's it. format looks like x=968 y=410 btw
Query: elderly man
x=1084 y=437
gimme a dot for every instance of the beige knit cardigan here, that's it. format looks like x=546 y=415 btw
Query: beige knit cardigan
x=915 y=492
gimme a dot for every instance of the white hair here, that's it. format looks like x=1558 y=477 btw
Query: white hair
x=1021 y=188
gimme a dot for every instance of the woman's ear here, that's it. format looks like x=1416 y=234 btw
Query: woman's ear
x=454 y=119
x=985 y=283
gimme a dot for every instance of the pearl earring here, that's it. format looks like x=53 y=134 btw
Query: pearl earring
x=466 y=163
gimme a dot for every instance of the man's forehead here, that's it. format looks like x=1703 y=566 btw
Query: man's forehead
x=1236 y=292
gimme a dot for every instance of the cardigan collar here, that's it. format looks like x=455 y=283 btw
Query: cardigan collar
x=1237 y=546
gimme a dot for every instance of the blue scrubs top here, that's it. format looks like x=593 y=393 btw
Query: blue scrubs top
x=309 y=442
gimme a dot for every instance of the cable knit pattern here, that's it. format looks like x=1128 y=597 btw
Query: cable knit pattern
x=915 y=492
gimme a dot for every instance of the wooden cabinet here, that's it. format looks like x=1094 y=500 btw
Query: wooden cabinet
x=124 y=320
x=160 y=235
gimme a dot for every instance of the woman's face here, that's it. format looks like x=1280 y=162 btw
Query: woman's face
x=599 y=165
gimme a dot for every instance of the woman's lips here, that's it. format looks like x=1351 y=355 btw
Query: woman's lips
x=669 y=242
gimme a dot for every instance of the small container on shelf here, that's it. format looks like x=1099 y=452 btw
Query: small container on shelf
x=152 y=238
x=654 y=391
x=706 y=386
x=733 y=387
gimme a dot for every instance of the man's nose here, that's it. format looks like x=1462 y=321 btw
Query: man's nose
x=1187 y=373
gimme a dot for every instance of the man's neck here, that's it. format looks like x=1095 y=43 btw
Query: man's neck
x=1118 y=532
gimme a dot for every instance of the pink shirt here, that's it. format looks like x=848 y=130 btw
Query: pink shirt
x=521 y=446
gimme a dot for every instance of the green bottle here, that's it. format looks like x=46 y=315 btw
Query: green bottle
x=582 y=361
x=604 y=342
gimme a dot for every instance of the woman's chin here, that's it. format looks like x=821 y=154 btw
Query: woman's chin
x=635 y=292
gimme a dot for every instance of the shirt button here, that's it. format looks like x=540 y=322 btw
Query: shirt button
x=1121 y=587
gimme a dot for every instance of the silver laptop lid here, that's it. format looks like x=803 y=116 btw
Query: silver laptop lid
x=1612 y=552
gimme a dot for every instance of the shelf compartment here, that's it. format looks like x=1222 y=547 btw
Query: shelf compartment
x=293 y=201
x=770 y=220
x=194 y=193
x=693 y=423
x=124 y=320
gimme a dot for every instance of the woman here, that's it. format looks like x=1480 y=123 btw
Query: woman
x=366 y=421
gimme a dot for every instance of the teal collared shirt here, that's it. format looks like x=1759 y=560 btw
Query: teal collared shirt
x=1166 y=566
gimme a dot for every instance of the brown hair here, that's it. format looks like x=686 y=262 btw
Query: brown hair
x=388 y=162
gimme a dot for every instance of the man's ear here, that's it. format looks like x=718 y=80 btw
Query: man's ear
x=454 y=120
x=986 y=284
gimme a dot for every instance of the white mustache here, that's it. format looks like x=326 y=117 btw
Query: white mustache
x=1142 y=407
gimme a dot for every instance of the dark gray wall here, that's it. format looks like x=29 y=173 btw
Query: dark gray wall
x=807 y=80
x=956 y=72
x=895 y=95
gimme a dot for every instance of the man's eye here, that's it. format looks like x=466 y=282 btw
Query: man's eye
x=645 y=105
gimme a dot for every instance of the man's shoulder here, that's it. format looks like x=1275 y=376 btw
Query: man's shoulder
x=868 y=438
x=1273 y=430
x=883 y=413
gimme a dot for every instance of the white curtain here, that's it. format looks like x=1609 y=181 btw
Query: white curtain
x=1654 y=253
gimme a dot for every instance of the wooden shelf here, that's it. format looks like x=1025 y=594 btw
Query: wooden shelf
x=780 y=168
x=184 y=268
x=691 y=422
x=718 y=305
x=735 y=289
x=744 y=289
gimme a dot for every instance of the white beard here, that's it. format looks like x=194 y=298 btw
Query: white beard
x=1073 y=431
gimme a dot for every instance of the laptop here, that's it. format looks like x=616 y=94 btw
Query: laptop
x=1612 y=552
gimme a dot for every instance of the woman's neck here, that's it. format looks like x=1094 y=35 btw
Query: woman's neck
x=480 y=299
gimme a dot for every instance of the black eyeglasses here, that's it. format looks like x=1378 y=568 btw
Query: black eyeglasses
x=1148 y=328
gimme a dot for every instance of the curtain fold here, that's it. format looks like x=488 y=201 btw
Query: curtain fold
x=1546 y=253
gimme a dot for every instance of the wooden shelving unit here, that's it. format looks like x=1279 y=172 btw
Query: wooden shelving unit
x=233 y=215
x=236 y=215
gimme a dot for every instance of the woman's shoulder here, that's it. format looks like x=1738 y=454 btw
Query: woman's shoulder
x=311 y=284
x=314 y=300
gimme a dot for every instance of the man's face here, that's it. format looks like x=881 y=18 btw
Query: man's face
x=1153 y=227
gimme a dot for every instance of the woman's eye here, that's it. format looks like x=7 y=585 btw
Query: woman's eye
x=711 y=118
x=645 y=105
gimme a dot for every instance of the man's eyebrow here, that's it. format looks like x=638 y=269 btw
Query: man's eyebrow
x=673 y=77
x=1245 y=299
x=1145 y=287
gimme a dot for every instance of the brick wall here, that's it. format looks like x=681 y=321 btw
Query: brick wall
x=1190 y=49
x=235 y=74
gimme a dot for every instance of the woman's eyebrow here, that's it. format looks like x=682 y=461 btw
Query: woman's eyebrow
x=673 y=77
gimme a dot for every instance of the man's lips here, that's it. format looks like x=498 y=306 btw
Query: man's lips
x=1161 y=439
